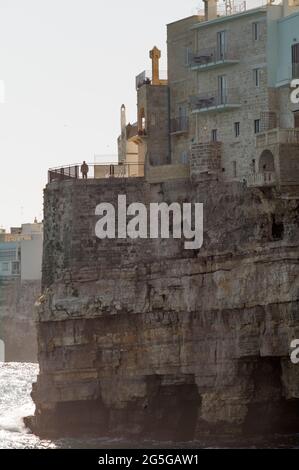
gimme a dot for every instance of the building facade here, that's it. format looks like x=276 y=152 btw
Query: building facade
x=225 y=110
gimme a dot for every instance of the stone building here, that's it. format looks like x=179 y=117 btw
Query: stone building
x=225 y=111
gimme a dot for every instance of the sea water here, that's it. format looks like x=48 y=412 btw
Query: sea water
x=15 y=403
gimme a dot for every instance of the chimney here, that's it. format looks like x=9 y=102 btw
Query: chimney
x=123 y=118
x=210 y=9
x=155 y=55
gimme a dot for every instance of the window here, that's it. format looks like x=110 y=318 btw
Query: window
x=5 y=267
x=15 y=267
x=184 y=158
x=214 y=135
x=237 y=129
x=257 y=77
x=253 y=166
x=182 y=112
x=235 y=169
x=8 y=254
x=222 y=89
x=295 y=60
x=257 y=126
x=296 y=119
x=256 y=31
x=187 y=56
x=221 y=45
x=153 y=121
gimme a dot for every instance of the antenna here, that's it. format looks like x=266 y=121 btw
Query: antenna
x=229 y=6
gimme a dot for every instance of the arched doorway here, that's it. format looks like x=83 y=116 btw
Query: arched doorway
x=142 y=122
x=266 y=162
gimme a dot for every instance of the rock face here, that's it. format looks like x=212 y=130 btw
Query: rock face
x=145 y=338
x=17 y=319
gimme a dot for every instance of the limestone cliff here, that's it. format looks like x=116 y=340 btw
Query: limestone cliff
x=144 y=338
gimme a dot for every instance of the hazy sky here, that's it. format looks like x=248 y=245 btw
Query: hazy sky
x=68 y=65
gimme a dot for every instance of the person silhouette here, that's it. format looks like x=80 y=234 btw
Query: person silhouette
x=84 y=170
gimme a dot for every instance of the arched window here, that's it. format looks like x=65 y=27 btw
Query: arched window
x=266 y=162
x=142 y=122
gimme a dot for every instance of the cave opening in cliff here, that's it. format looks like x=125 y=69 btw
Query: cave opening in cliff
x=73 y=418
x=172 y=409
x=277 y=229
x=269 y=411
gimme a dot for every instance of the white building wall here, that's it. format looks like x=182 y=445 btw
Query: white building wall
x=31 y=258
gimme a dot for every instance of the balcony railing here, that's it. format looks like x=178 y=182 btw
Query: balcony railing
x=216 y=100
x=145 y=78
x=295 y=70
x=230 y=8
x=97 y=171
x=212 y=57
x=266 y=178
x=179 y=125
x=268 y=121
x=278 y=136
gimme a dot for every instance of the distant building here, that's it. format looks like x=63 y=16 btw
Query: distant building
x=21 y=252
x=10 y=259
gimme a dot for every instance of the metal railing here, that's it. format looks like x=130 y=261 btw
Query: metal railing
x=97 y=171
x=218 y=98
x=231 y=8
x=145 y=77
x=266 y=178
x=295 y=70
x=268 y=121
x=212 y=56
x=179 y=124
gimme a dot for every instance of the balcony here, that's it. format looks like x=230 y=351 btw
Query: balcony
x=258 y=180
x=277 y=136
x=145 y=78
x=217 y=101
x=179 y=125
x=97 y=171
x=213 y=58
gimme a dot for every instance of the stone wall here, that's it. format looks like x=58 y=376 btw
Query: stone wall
x=161 y=173
x=289 y=164
x=206 y=160
x=153 y=105
x=144 y=338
